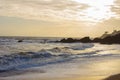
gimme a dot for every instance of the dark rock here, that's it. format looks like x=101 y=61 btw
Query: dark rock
x=96 y=40
x=113 y=38
x=69 y=40
x=85 y=40
x=113 y=77
x=20 y=40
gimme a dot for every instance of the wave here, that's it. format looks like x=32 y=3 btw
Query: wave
x=24 y=60
x=13 y=47
x=70 y=48
x=19 y=56
x=29 y=59
x=82 y=46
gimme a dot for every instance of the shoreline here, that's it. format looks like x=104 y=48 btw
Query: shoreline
x=60 y=78
x=112 y=77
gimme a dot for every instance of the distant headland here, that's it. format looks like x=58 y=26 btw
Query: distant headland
x=106 y=38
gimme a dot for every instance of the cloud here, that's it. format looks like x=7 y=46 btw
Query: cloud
x=40 y=8
x=116 y=8
x=56 y=10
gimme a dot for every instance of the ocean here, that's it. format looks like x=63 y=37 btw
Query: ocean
x=45 y=59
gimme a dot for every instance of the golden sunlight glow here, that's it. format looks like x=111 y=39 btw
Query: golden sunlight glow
x=98 y=10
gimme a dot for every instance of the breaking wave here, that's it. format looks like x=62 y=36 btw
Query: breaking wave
x=24 y=60
x=29 y=59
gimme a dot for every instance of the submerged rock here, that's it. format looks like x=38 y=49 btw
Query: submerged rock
x=20 y=40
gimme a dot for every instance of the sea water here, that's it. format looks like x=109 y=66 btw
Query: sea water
x=39 y=58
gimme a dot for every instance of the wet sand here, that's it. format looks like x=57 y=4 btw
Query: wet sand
x=64 y=78
x=78 y=78
x=113 y=77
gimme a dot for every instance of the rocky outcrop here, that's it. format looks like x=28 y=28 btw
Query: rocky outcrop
x=113 y=38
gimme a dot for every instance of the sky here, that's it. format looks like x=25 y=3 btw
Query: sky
x=58 y=18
